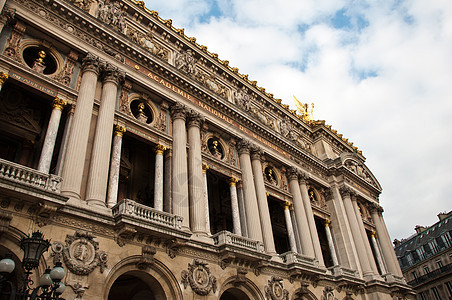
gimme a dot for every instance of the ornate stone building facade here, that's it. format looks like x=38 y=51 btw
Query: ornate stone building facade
x=426 y=259
x=160 y=172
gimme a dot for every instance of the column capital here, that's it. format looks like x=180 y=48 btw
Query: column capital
x=178 y=111
x=233 y=181
x=243 y=146
x=375 y=208
x=195 y=119
x=327 y=223
x=256 y=152
x=372 y=234
x=303 y=177
x=293 y=173
x=119 y=130
x=159 y=149
x=205 y=168
x=287 y=205
x=111 y=73
x=3 y=78
x=345 y=191
x=58 y=103
x=91 y=63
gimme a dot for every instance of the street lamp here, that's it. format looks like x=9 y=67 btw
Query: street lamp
x=50 y=285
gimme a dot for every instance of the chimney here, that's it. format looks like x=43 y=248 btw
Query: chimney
x=443 y=215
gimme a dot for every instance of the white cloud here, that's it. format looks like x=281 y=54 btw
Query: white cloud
x=400 y=116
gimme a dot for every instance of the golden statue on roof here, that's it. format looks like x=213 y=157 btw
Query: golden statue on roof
x=303 y=109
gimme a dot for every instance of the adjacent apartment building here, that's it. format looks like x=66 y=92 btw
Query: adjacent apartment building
x=159 y=171
x=426 y=259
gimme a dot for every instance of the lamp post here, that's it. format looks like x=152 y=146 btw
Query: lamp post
x=50 y=285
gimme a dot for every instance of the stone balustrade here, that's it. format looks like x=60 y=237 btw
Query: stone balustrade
x=227 y=238
x=29 y=177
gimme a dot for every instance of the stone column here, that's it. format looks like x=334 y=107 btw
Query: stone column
x=235 y=206
x=64 y=141
x=206 y=196
x=295 y=228
x=167 y=195
x=330 y=243
x=51 y=134
x=264 y=213
x=74 y=161
x=307 y=248
x=98 y=173
x=385 y=242
x=311 y=221
x=253 y=223
x=357 y=237
x=196 y=184
x=3 y=78
x=7 y=14
x=359 y=220
x=290 y=233
x=115 y=165
x=158 y=177
x=179 y=173
x=377 y=253
x=242 y=212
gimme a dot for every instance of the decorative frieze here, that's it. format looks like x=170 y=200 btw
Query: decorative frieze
x=185 y=61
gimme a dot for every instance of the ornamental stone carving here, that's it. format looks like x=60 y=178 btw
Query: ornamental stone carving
x=186 y=62
x=80 y=253
x=243 y=146
x=275 y=289
x=112 y=73
x=287 y=129
x=147 y=42
x=328 y=294
x=243 y=99
x=178 y=111
x=83 y=4
x=110 y=13
x=199 y=277
x=359 y=170
x=91 y=63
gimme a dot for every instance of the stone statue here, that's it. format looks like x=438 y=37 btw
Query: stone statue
x=186 y=62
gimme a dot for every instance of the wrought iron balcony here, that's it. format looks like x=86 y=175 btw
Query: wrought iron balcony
x=22 y=175
x=432 y=275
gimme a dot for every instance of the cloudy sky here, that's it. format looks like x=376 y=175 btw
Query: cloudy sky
x=380 y=72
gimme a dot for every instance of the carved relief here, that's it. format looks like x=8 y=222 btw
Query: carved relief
x=199 y=278
x=81 y=253
x=83 y=4
x=65 y=76
x=328 y=294
x=360 y=171
x=147 y=257
x=111 y=14
x=274 y=290
x=287 y=129
x=212 y=83
x=186 y=62
x=124 y=105
x=161 y=121
x=243 y=99
x=13 y=41
x=147 y=42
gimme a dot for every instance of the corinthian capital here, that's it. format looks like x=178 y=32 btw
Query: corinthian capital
x=178 y=111
x=243 y=146
x=345 y=191
x=112 y=74
x=293 y=173
x=375 y=208
x=195 y=118
x=91 y=63
x=256 y=152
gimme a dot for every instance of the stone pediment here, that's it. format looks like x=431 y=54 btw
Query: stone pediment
x=361 y=170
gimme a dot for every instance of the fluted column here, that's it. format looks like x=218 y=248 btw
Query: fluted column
x=158 y=177
x=196 y=185
x=377 y=253
x=307 y=248
x=115 y=165
x=206 y=196
x=242 y=212
x=385 y=242
x=64 y=141
x=357 y=237
x=235 y=206
x=295 y=228
x=179 y=172
x=253 y=223
x=167 y=195
x=78 y=137
x=311 y=221
x=98 y=173
x=3 y=78
x=290 y=232
x=359 y=219
x=330 y=243
x=264 y=213
x=51 y=134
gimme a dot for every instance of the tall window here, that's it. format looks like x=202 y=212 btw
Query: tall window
x=426 y=269
x=439 y=263
x=436 y=293
x=422 y=294
x=449 y=288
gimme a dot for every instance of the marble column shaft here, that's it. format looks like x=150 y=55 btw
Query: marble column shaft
x=264 y=213
x=196 y=188
x=385 y=242
x=235 y=206
x=167 y=195
x=158 y=177
x=378 y=253
x=78 y=138
x=64 y=141
x=179 y=172
x=51 y=134
x=296 y=232
x=206 y=196
x=100 y=158
x=311 y=222
x=115 y=165
x=329 y=238
x=242 y=212
x=359 y=219
x=307 y=248
x=357 y=237
x=290 y=232
x=253 y=223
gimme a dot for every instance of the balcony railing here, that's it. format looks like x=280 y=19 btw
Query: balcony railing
x=297 y=258
x=431 y=275
x=227 y=238
x=27 y=176
x=130 y=208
